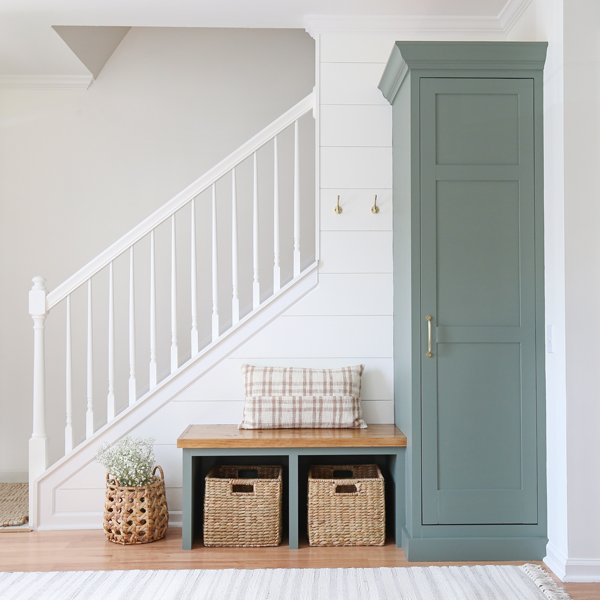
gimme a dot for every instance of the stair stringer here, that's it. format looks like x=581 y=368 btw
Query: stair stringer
x=43 y=502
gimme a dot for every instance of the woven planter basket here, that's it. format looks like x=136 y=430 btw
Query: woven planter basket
x=239 y=511
x=136 y=515
x=346 y=506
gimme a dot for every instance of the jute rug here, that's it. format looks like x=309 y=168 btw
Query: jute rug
x=14 y=504
x=495 y=582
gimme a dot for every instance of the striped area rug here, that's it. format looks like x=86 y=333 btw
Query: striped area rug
x=495 y=582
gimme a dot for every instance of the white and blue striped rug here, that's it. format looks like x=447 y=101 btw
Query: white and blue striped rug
x=494 y=582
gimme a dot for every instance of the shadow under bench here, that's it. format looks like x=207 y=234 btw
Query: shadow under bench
x=295 y=450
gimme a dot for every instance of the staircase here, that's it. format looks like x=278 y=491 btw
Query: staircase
x=112 y=333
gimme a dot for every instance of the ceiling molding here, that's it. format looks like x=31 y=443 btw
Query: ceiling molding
x=45 y=82
x=511 y=13
x=395 y=24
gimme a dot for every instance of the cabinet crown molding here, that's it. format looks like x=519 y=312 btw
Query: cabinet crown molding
x=457 y=56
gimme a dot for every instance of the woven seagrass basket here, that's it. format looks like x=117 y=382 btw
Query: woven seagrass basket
x=346 y=506
x=242 y=506
x=136 y=515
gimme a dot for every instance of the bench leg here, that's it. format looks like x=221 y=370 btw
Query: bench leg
x=187 y=517
x=293 y=500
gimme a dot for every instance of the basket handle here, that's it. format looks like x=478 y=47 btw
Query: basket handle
x=242 y=488
x=162 y=475
x=345 y=488
x=114 y=479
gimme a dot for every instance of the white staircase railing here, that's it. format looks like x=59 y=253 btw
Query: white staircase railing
x=120 y=327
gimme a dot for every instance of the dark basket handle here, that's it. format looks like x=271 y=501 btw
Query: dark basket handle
x=242 y=488
x=346 y=489
x=162 y=475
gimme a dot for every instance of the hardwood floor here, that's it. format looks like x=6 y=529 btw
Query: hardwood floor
x=89 y=550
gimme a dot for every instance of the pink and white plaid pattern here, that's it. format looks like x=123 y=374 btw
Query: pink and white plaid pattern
x=291 y=397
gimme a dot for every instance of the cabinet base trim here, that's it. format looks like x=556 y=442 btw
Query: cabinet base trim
x=462 y=549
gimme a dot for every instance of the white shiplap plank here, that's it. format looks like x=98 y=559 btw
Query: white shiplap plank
x=356 y=167
x=348 y=294
x=356 y=209
x=167 y=424
x=378 y=412
x=91 y=501
x=223 y=385
x=357 y=48
x=356 y=252
x=324 y=336
x=169 y=457
x=351 y=83
x=174 y=500
x=356 y=125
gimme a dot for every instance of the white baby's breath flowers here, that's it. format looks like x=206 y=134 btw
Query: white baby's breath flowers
x=130 y=461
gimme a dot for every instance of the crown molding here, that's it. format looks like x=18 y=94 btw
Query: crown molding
x=45 y=82
x=394 y=24
x=511 y=13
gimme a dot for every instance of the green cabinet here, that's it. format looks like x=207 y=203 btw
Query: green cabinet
x=468 y=296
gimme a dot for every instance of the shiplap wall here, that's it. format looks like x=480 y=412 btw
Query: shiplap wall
x=347 y=319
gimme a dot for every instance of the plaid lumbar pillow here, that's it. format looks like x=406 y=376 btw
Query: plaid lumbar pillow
x=291 y=398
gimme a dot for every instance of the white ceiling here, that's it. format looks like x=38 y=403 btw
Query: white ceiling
x=29 y=45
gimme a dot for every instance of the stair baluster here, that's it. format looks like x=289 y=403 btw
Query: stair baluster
x=276 y=264
x=89 y=414
x=110 y=399
x=153 y=372
x=174 y=352
x=68 y=381
x=132 y=381
x=235 y=301
x=194 y=300
x=255 y=280
x=215 y=275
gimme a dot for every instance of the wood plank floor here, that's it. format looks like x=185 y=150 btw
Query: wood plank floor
x=89 y=550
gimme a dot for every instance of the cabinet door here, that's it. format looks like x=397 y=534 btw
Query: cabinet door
x=478 y=285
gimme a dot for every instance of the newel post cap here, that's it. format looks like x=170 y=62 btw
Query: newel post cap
x=37 y=297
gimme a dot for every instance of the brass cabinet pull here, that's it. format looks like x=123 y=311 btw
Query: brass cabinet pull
x=429 y=355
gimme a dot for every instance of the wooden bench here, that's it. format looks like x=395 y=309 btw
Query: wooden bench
x=295 y=449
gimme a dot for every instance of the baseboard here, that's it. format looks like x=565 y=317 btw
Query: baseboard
x=572 y=570
x=582 y=570
x=473 y=548
x=556 y=561
x=11 y=476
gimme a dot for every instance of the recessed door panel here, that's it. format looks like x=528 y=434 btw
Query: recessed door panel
x=478 y=286
x=477 y=238
x=477 y=129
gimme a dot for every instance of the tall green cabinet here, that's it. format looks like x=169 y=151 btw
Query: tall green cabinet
x=469 y=296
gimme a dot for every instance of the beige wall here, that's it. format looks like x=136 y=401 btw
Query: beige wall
x=79 y=168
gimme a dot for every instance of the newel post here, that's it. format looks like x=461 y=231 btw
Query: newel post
x=38 y=442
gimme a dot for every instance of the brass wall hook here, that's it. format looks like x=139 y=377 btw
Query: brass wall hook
x=375 y=208
x=338 y=208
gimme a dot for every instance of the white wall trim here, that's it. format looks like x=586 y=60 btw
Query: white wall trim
x=45 y=82
x=572 y=570
x=555 y=560
x=12 y=476
x=511 y=13
x=502 y=23
x=582 y=570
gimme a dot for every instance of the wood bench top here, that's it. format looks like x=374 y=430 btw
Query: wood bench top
x=229 y=436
